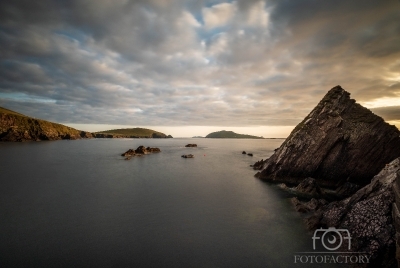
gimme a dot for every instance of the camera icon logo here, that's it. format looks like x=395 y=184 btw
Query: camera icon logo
x=331 y=238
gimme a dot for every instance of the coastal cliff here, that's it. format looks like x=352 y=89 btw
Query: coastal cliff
x=343 y=151
x=18 y=127
x=339 y=142
x=368 y=215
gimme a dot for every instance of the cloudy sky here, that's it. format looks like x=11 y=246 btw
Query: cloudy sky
x=257 y=67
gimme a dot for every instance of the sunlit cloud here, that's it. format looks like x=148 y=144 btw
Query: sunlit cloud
x=244 y=63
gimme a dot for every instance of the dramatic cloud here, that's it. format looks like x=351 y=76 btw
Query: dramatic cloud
x=210 y=63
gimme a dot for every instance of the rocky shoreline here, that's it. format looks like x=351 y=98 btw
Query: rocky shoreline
x=341 y=162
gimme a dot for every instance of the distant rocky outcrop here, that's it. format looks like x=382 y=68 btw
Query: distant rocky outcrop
x=339 y=141
x=18 y=127
x=259 y=165
x=223 y=134
x=141 y=150
x=367 y=215
x=188 y=156
x=134 y=133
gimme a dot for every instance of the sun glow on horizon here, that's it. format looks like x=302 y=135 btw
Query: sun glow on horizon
x=191 y=131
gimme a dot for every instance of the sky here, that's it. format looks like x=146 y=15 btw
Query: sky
x=188 y=68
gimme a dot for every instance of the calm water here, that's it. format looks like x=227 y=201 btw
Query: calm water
x=79 y=204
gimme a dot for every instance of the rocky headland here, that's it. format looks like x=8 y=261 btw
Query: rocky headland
x=18 y=127
x=342 y=162
x=339 y=141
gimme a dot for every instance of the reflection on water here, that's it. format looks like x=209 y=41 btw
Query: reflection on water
x=78 y=203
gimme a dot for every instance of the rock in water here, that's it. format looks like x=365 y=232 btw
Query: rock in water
x=339 y=141
x=191 y=145
x=141 y=150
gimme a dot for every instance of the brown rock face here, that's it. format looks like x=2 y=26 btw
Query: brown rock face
x=367 y=215
x=339 y=141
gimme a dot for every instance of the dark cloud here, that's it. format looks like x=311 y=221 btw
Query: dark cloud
x=175 y=62
x=388 y=113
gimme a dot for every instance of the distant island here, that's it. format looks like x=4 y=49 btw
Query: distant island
x=223 y=134
x=197 y=137
x=136 y=132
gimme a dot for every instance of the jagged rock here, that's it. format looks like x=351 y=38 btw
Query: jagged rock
x=188 y=156
x=339 y=141
x=141 y=150
x=309 y=187
x=367 y=215
x=347 y=189
x=309 y=206
x=259 y=164
x=191 y=145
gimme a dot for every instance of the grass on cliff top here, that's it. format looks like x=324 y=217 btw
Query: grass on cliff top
x=230 y=135
x=137 y=131
x=6 y=111
x=30 y=123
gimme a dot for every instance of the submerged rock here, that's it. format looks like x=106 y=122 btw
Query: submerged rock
x=339 y=141
x=191 y=145
x=141 y=150
x=188 y=156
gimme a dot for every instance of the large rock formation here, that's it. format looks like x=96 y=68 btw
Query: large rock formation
x=339 y=141
x=18 y=127
x=367 y=215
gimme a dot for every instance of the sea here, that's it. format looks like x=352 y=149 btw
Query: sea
x=78 y=203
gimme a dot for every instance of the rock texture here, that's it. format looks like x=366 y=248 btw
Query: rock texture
x=141 y=150
x=309 y=187
x=339 y=141
x=259 y=164
x=18 y=127
x=367 y=215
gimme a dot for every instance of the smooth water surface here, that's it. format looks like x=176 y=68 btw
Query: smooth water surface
x=79 y=204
